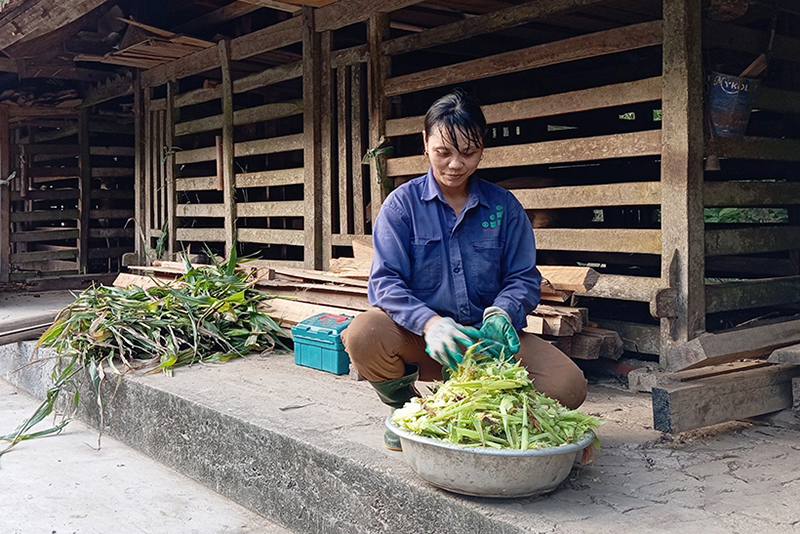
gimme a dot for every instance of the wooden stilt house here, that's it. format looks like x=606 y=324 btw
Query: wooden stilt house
x=278 y=128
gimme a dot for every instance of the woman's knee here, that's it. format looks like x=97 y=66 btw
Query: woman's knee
x=361 y=337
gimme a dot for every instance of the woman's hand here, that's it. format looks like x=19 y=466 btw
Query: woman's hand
x=443 y=337
x=498 y=332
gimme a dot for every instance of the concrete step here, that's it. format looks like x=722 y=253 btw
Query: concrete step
x=304 y=448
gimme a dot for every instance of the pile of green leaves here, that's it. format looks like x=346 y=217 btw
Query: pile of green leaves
x=212 y=313
x=492 y=403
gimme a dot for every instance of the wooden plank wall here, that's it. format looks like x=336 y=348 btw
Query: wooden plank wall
x=576 y=126
x=72 y=196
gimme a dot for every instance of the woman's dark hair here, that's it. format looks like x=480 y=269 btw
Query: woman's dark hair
x=457 y=112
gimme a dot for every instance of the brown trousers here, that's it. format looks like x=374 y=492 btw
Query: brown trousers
x=379 y=348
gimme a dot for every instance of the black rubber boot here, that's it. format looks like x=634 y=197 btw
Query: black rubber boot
x=396 y=392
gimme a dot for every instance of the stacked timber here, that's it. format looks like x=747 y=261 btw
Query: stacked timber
x=308 y=292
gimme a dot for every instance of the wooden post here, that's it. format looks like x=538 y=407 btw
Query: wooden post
x=147 y=173
x=140 y=217
x=357 y=148
x=379 y=65
x=85 y=191
x=229 y=178
x=312 y=155
x=326 y=128
x=169 y=171
x=682 y=225
x=5 y=197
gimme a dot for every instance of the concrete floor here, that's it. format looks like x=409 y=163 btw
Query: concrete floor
x=62 y=485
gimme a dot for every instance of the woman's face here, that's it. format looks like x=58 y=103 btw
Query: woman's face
x=451 y=168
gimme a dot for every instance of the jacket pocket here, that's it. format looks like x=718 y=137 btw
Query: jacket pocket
x=426 y=264
x=486 y=264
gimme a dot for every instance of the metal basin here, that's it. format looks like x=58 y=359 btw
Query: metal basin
x=488 y=472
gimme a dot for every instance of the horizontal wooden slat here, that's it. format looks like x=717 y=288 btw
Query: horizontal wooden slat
x=51 y=215
x=646 y=143
x=293 y=208
x=586 y=196
x=350 y=56
x=44 y=235
x=636 y=337
x=502 y=19
x=272 y=37
x=25 y=275
x=624 y=287
x=270 y=178
x=47 y=194
x=571 y=49
x=543 y=106
x=245 y=148
x=346 y=240
x=68 y=150
x=44 y=255
x=747 y=294
x=634 y=241
x=200 y=234
x=340 y=14
x=731 y=241
x=111 y=172
x=272 y=145
x=200 y=210
x=768 y=148
x=200 y=183
x=127 y=151
x=106 y=233
x=744 y=194
x=198 y=62
x=111 y=214
x=195 y=155
x=268 y=235
x=242 y=116
x=274 y=75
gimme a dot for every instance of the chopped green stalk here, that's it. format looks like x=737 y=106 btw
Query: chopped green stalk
x=492 y=403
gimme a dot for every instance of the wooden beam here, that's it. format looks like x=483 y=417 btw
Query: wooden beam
x=228 y=172
x=312 y=133
x=634 y=241
x=5 y=195
x=759 y=148
x=272 y=37
x=569 y=278
x=790 y=354
x=773 y=238
x=34 y=236
x=634 y=144
x=494 y=21
x=38 y=17
x=270 y=178
x=746 y=294
x=346 y=12
x=378 y=69
x=590 y=196
x=682 y=254
x=171 y=118
x=272 y=236
x=201 y=234
x=624 y=287
x=543 y=106
x=636 y=337
x=282 y=208
x=754 y=342
x=242 y=116
x=231 y=11
x=327 y=140
x=585 y=46
x=274 y=4
x=272 y=145
x=750 y=194
x=85 y=188
x=716 y=399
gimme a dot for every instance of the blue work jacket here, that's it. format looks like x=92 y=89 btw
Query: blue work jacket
x=428 y=262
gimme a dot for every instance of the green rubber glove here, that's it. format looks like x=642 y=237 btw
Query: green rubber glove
x=444 y=339
x=500 y=338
